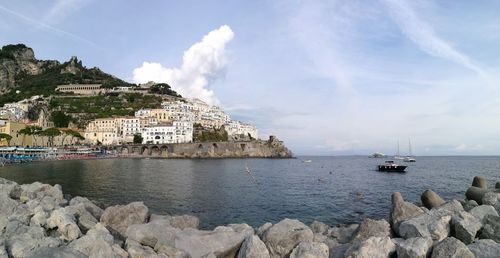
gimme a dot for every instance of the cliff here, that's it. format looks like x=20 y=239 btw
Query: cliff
x=272 y=148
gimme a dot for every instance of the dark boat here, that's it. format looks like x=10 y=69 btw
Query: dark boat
x=390 y=166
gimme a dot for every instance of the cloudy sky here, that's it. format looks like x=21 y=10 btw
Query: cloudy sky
x=328 y=77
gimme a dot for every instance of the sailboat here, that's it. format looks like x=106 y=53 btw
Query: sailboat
x=410 y=157
x=397 y=155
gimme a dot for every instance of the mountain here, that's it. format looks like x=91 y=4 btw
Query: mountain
x=22 y=75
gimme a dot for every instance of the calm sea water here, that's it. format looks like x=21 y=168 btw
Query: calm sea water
x=220 y=191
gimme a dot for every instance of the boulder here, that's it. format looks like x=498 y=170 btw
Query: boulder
x=372 y=247
x=148 y=234
x=401 y=210
x=485 y=248
x=85 y=219
x=118 y=218
x=343 y=233
x=282 y=237
x=136 y=250
x=497 y=207
x=417 y=247
x=371 y=228
x=319 y=227
x=223 y=241
x=490 y=198
x=469 y=205
x=88 y=205
x=430 y=199
x=263 y=229
x=451 y=248
x=310 y=250
x=465 y=226
x=482 y=210
x=23 y=241
x=65 y=224
x=434 y=224
x=476 y=194
x=182 y=221
x=57 y=252
x=98 y=242
x=491 y=228
x=325 y=239
x=37 y=190
x=339 y=251
x=39 y=218
x=480 y=182
x=172 y=252
x=253 y=247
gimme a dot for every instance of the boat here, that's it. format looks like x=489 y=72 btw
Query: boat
x=378 y=155
x=307 y=161
x=390 y=166
x=398 y=156
x=410 y=157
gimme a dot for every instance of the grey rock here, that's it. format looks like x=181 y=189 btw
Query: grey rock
x=85 y=219
x=476 y=194
x=139 y=251
x=373 y=247
x=148 y=234
x=57 y=252
x=491 y=228
x=470 y=204
x=480 y=182
x=310 y=250
x=451 y=248
x=65 y=224
x=485 y=248
x=339 y=251
x=490 y=198
x=319 y=227
x=22 y=240
x=343 y=233
x=253 y=247
x=371 y=228
x=482 y=210
x=118 y=218
x=497 y=207
x=172 y=252
x=39 y=218
x=417 y=247
x=98 y=242
x=434 y=223
x=465 y=226
x=401 y=211
x=430 y=199
x=282 y=237
x=263 y=229
x=325 y=239
x=37 y=191
x=89 y=206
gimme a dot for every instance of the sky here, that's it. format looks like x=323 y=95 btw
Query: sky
x=327 y=77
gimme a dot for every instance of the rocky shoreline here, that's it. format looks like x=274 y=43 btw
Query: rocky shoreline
x=37 y=221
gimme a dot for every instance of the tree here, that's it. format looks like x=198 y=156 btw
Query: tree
x=7 y=137
x=25 y=131
x=50 y=133
x=60 y=119
x=138 y=138
x=74 y=135
x=32 y=130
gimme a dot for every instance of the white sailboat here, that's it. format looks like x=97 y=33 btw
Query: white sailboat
x=410 y=157
x=398 y=156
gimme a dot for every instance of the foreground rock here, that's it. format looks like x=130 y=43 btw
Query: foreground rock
x=401 y=211
x=451 y=247
x=430 y=199
x=372 y=228
x=253 y=247
x=285 y=235
x=485 y=248
x=118 y=218
x=372 y=247
x=465 y=226
x=417 y=247
x=310 y=250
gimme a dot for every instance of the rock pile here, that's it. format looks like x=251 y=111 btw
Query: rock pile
x=36 y=221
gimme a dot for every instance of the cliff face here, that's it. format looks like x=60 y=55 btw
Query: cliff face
x=17 y=61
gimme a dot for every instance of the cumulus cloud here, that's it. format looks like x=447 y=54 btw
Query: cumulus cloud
x=202 y=64
x=424 y=36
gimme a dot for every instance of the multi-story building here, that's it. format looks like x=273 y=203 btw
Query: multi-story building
x=242 y=129
x=12 y=128
x=175 y=132
x=127 y=128
x=103 y=130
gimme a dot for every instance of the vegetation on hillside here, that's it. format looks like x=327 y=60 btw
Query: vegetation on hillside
x=6 y=51
x=202 y=134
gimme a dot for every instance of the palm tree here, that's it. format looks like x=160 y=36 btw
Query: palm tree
x=32 y=130
x=7 y=137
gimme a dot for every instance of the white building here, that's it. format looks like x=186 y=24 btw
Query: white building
x=128 y=127
x=176 y=132
x=239 y=128
x=102 y=130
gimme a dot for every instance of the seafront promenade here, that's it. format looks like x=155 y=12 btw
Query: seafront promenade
x=38 y=220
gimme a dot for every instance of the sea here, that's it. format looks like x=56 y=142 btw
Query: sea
x=334 y=190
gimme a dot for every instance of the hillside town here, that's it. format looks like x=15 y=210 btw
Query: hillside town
x=174 y=122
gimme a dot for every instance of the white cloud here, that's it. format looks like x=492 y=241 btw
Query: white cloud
x=424 y=36
x=202 y=64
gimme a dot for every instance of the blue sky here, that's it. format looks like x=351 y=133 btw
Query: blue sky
x=328 y=77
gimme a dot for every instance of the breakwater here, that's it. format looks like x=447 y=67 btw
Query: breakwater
x=36 y=220
x=271 y=148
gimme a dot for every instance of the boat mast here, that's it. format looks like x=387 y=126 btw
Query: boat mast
x=409 y=147
x=398 y=149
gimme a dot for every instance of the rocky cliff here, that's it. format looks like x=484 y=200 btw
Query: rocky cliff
x=17 y=61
